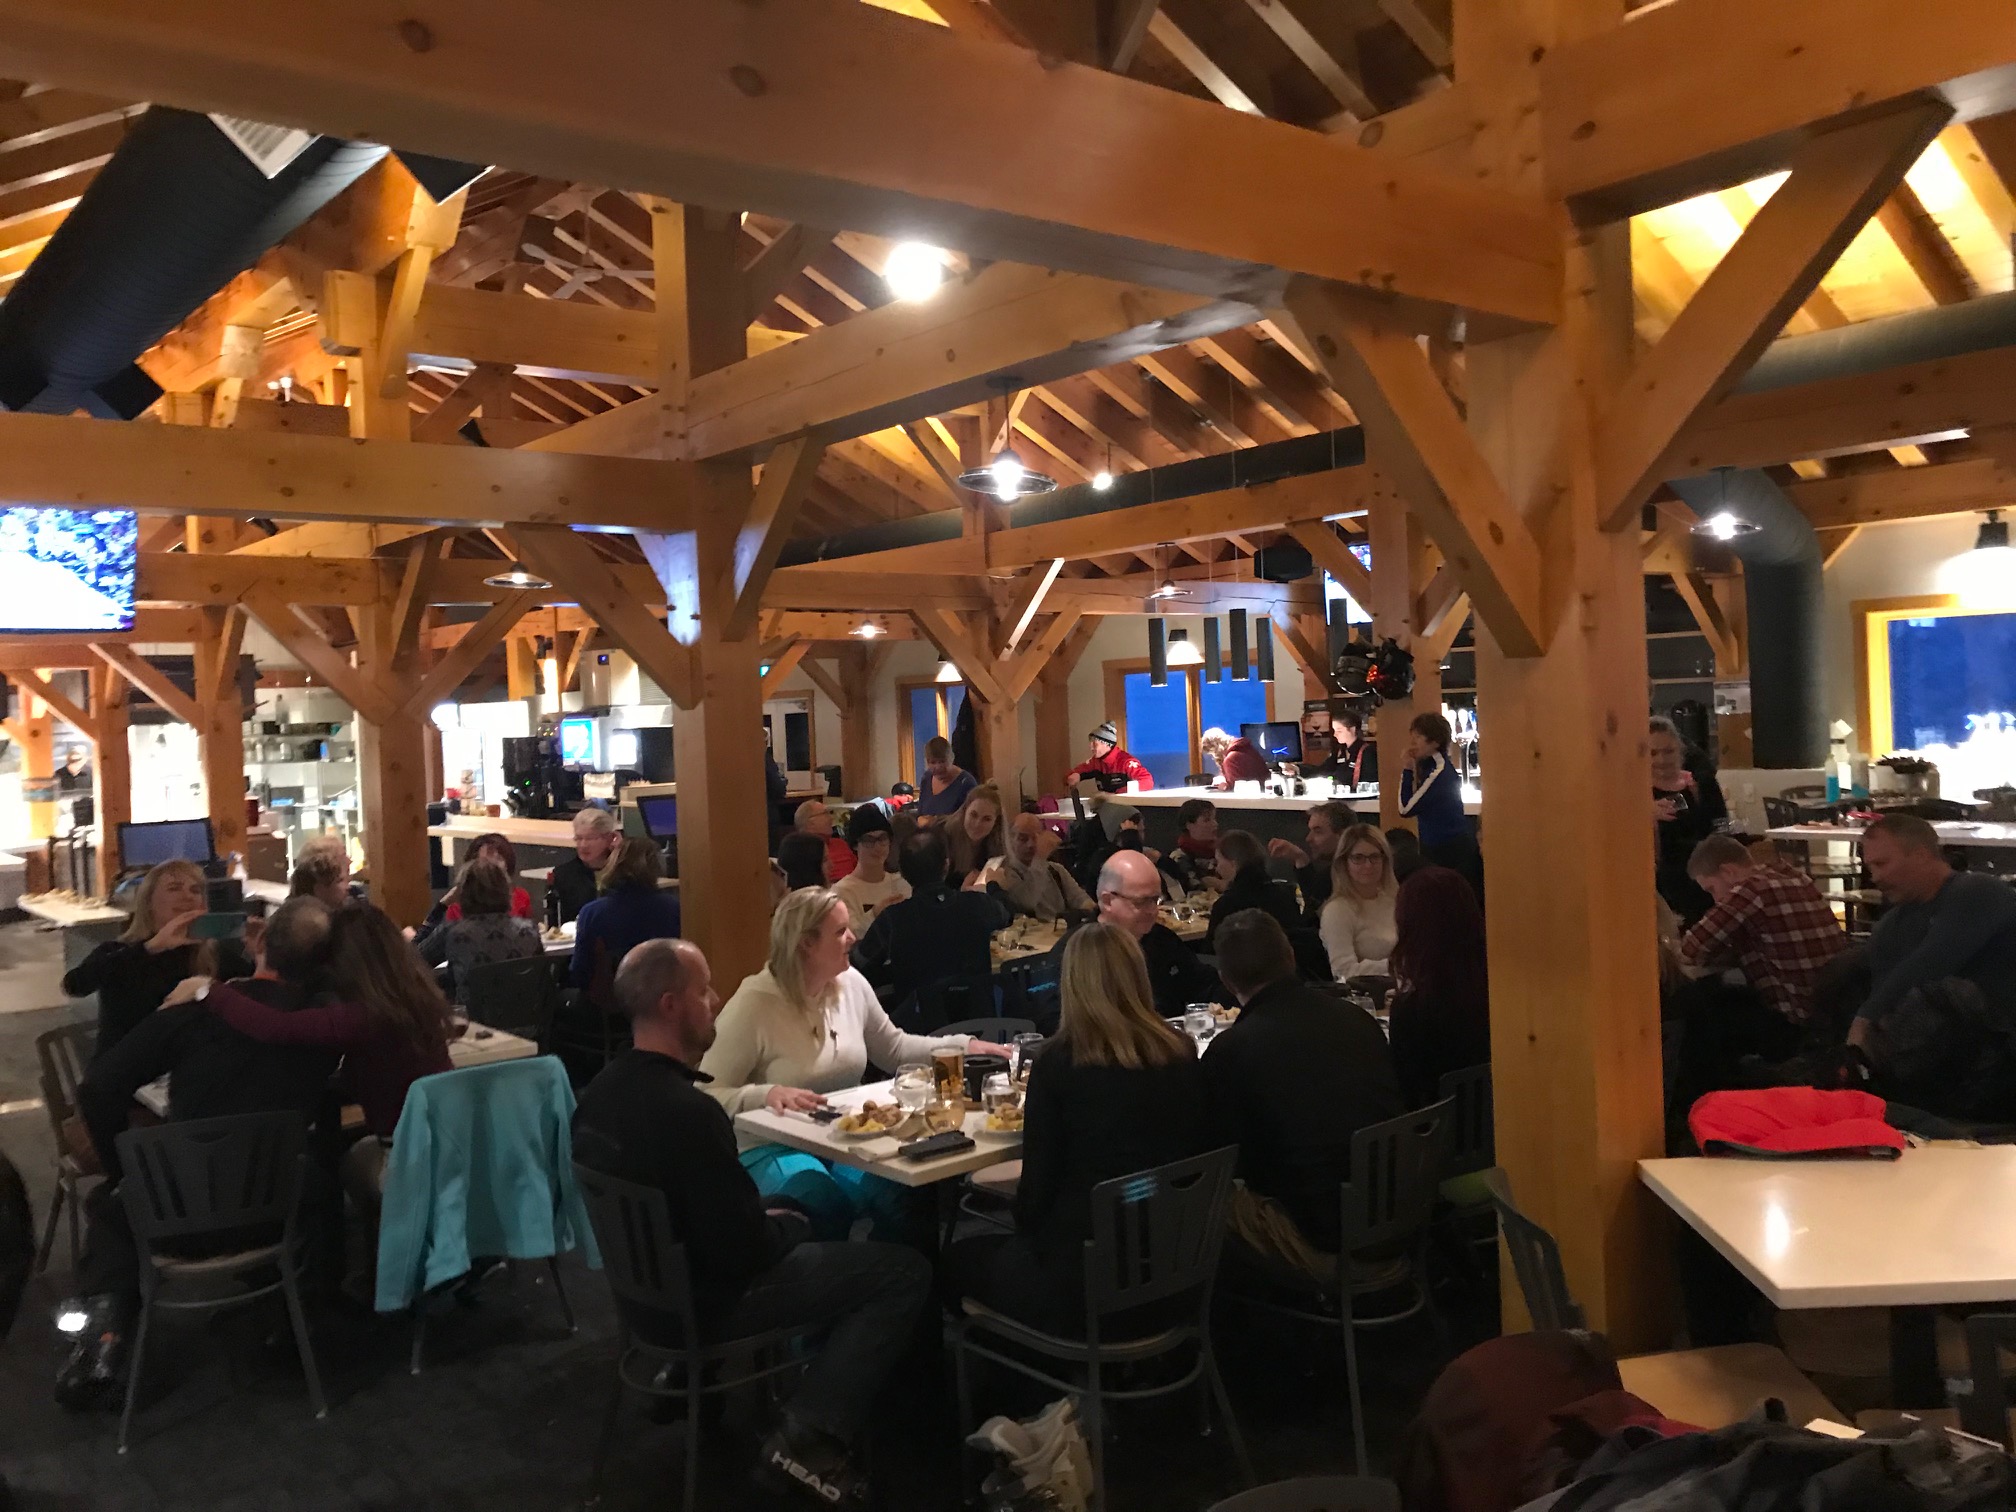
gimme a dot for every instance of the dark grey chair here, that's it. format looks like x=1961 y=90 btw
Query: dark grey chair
x=1984 y=1408
x=1317 y=1493
x=233 y=1183
x=1472 y=1144
x=62 y=1054
x=1396 y=1168
x=519 y=997
x=998 y=1031
x=646 y=1267
x=1536 y=1263
x=1029 y=990
x=1156 y=1236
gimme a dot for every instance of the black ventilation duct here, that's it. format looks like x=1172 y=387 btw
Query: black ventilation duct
x=1782 y=600
x=177 y=212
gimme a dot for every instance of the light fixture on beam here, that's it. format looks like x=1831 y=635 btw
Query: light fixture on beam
x=1181 y=652
x=868 y=630
x=1984 y=576
x=1006 y=478
x=1101 y=481
x=1724 y=524
x=947 y=673
x=517 y=575
x=915 y=270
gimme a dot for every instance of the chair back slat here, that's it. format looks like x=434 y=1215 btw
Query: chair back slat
x=1029 y=989
x=62 y=1055
x=1395 y=1169
x=1156 y=1233
x=643 y=1258
x=212 y=1174
x=1472 y=1140
x=518 y=997
x=1536 y=1262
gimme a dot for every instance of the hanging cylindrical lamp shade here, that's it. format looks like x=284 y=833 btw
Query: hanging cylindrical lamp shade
x=1158 y=653
x=1237 y=622
x=1213 y=663
x=1337 y=630
x=1263 y=647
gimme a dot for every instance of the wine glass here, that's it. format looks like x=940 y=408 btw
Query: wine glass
x=1023 y=1050
x=914 y=1086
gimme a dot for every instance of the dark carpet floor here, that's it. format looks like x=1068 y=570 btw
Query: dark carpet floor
x=506 y=1413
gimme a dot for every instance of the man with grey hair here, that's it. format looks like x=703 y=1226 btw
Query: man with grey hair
x=753 y=1269
x=573 y=880
x=1130 y=897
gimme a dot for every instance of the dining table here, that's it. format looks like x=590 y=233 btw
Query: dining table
x=1028 y=937
x=878 y=1154
x=1934 y=1227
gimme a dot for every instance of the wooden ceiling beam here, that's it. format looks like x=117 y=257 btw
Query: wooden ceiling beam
x=66 y=461
x=1906 y=493
x=640 y=100
x=1701 y=94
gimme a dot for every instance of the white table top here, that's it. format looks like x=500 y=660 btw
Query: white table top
x=1937 y=1225
x=63 y=909
x=479 y=1047
x=1015 y=944
x=1365 y=800
x=877 y=1156
x=1985 y=834
x=274 y=893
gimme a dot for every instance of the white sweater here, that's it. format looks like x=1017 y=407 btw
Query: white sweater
x=1359 y=934
x=761 y=1041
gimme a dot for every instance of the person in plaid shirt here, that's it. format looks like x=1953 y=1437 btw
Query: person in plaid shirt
x=1771 y=923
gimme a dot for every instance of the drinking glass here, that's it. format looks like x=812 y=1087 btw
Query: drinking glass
x=913 y=1086
x=1199 y=1022
x=1023 y=1050
x=998 y=1093
x=948 y=1065
x=458 y=1020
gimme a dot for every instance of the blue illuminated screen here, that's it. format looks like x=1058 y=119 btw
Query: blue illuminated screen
x=1948 y=673
x=67 y=569
x=580 y=744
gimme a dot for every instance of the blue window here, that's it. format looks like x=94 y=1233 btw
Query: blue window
x=1228 y=704
x=1945 y=670
x=1158 y=727
x=928 y=705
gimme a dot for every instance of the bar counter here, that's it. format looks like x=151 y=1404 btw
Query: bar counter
x=1262 y=814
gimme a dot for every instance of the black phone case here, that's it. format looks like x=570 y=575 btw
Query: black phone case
x=951 y=1142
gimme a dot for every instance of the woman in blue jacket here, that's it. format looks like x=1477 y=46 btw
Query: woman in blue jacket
x=1431 y=794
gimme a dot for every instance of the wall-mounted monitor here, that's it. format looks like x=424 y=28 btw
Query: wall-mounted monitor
x=1278 y=739
x=166 y=840
x=67 y=570
x=581 y=744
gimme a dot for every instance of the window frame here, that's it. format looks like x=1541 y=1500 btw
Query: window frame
x=906 y=726
x=1115 y=675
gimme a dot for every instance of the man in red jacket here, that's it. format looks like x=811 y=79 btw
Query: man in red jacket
x=1109 y=761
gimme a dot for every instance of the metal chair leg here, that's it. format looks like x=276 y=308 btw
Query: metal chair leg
x=1095 y=1432
x=133 y=1369
x=691 y=1494
x=75 y=1209
x=301 y=1341
x=560 y=1290
x=1351 y=1372
x=419 y=1335
x=963 y=1389
x=1218 y=1393
x=49 y=1231
x=608 y=1438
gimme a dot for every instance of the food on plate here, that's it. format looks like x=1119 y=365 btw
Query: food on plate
x=871 y=1118
x=1005 y=1121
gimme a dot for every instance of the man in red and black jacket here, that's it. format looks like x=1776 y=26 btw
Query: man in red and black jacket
x=1109 y=763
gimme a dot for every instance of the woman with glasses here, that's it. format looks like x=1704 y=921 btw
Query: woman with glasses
x=1357 y=922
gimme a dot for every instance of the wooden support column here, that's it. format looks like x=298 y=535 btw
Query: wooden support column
x=112 y=771
x=1574 y=983
x=394 y=766
x=220 y=725
x=712 y=589
x=521 y=668
x=1057 y=744
x=1399 y=562
x=33 y=730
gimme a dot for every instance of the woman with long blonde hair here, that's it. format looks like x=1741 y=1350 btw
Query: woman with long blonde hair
x=1117 y=1091
x=808 y=1023
x=134 y=974
x=1357 y=922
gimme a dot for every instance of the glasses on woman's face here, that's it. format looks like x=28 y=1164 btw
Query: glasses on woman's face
x=1366 y=858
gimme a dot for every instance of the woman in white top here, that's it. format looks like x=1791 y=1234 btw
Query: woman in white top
x=1357 y=922
x=808 y=1023
x=871 y=886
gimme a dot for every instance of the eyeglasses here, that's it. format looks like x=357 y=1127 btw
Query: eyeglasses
x=1367 y=857
x=1150 y=900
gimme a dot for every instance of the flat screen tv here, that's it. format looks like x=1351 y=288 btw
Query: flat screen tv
x=67 y=570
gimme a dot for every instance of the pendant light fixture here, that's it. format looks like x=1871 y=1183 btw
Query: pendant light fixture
x=1724 y=524
x=1984 y=576
x=1006 y=478
x=1181 y=652
x=947 y=673
x=516 y=575
x=1158 y=653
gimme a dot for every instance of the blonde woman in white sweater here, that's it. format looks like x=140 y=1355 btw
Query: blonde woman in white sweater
x=1357 y=923
x=807 y=1024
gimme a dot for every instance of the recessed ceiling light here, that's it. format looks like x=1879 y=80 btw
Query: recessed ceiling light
x=868 y=630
